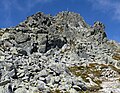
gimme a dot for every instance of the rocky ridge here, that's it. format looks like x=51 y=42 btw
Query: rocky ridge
x=58 y=54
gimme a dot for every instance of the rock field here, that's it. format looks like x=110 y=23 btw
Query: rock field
x=58 y=54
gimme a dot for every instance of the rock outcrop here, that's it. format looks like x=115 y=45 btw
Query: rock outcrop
x=58 y=54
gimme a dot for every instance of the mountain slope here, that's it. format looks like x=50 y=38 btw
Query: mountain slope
x=56 y=54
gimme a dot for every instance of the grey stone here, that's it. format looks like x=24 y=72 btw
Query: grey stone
x=57 y=68
x=7 y=36
x=7 y=44
x=13 y=50
x=33 y=90
x=2 y=58
x=57 y=79
x=2 y=83
x=8 y=57
x=20 y=74
x=12 y=73
x=77 y=88
x=43 y=73
x=21 y=90
x=21 y=37
x=6 y=88
x=25 y=78
x=2 y=90
x=48 y=78
x=52 y=80
x=22 y=52
x=42 y=79
x=41 y=85
x=72 y=90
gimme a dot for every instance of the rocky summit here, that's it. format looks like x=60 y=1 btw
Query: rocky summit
x=58 y=54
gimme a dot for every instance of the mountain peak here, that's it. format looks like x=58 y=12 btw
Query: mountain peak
x=58 y=54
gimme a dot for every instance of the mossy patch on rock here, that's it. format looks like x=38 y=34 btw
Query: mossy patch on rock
x=117 y=50
x=89 y=71
x=94 y=72
x=94 y=88
x=116 y=56
x=115 y=69
x=55 y=91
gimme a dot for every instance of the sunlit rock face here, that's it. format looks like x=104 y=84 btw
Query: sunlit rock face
x=58 y=54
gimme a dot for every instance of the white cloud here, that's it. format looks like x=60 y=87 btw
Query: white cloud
x=107 y=6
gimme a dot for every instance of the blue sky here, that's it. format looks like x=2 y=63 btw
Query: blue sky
x=12 y=12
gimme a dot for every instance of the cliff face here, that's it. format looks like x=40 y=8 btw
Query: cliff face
x=59 y=53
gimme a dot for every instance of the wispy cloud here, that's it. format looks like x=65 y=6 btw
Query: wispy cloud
x=43 y=1
x=7 y=5
x=7 y=10
x=116 y=37
x=111 y=6
x=21 y=6
x=29 y=4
